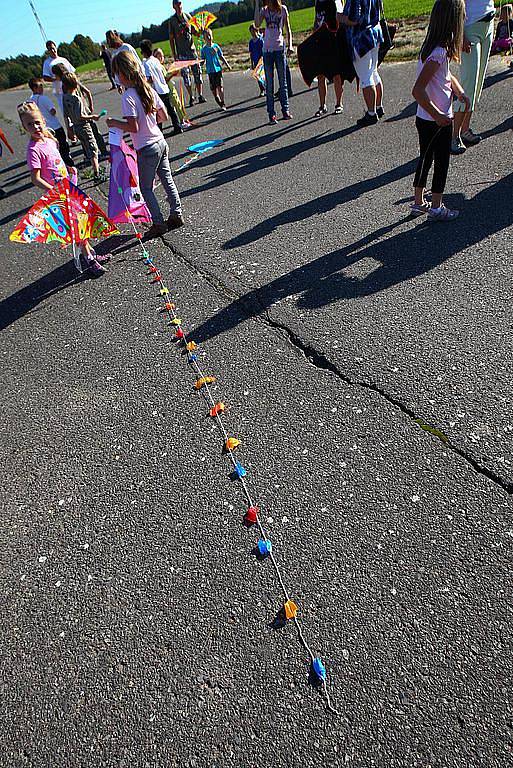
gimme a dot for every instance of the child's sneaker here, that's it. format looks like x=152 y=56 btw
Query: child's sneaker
x=156 y=230
x=103 y=258
x=287 y=116
x=380 y=112
x=419 y=209
x=175 y=221
x=273 y=120
x=442 y=214
x=96 y=269
x=202 y=100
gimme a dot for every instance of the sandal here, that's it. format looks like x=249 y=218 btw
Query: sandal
x=339 y=109
x=321 y=111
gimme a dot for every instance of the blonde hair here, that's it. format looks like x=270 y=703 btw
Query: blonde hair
x=126 y=65
x=30 y=109
x=69 y=82
x=445 y=29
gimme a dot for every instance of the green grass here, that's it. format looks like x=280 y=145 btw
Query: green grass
x=301 y=21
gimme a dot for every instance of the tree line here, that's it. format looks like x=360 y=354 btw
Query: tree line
x=19 y=69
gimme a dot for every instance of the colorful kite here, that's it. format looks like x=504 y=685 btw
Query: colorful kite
x=65 y=215
x=176 y=66
x=125 y=198
x=3 y=138
x=202 y=21
x=198 y=150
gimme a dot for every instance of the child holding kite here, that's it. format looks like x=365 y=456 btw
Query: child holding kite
x=214 y=59
x=47 y=169
x=142 y=107
x=433 y=92
x=49 y=113
x=83 y=123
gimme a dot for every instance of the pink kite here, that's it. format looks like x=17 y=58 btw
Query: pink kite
x=176 y=66
x=125 y=198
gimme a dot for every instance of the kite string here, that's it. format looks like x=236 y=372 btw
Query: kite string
x=169 y=309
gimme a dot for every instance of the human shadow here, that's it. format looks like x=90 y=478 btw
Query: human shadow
x=408 y=111
x=381 y=263
x=319 y=205
x=264 y=159
x=27 y=299
x=497 y=78
x=506 y=125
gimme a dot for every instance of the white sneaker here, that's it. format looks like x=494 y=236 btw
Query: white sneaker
x=442 y=214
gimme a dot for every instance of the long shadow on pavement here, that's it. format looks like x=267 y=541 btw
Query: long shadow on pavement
x=319 y=205
x=264 y=159
x=401 y=257
x=26 y=300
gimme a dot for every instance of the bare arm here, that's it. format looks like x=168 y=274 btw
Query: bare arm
x=162 y=115
x=88 y=95
x=37 y=181
x=420 y=95
x=258 y=14
x=221 y=56
x=460 y=94
x=288 y=32
x=172 y=43
x=128 y=124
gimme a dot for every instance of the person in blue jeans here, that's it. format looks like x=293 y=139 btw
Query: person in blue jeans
x=276 y=17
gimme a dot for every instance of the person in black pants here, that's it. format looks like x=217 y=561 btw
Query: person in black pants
x=107 y=61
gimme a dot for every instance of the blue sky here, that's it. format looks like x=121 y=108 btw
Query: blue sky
x=63 y=19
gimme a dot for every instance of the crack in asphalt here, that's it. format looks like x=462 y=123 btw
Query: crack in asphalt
x=319 y=361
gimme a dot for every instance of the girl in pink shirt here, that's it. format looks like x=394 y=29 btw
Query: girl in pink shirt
x=433 y=92
x=47 y=168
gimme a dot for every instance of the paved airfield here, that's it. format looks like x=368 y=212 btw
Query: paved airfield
x=366 y=361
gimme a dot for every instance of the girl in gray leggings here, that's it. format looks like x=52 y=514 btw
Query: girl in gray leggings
x=142 y=108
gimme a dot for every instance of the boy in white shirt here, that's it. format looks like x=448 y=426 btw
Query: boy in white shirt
x=51 y=59
x=156 y=77
x=47 y=109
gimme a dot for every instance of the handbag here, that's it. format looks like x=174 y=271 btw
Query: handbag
x=388 y=31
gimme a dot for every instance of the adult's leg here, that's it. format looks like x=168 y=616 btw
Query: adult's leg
x=338 y=85
x=164 y=174
x=196 y=72
x=60 y=135
x=269 y=82
x=427 y=130
x=469 y=73
x=289 y=77
x=442 y=154
x=147 y=162
x=186 y=77
x=321 y=86
x=486 y=46
x=281 y=65
x=364 y=69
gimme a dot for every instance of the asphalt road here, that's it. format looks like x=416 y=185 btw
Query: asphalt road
x=137 y=624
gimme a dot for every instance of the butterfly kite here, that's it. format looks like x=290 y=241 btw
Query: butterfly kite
x=125 y=198
x=64 y=215
x=202 y=21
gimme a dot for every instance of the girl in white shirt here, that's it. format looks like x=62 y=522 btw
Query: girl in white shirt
x=142 y=107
